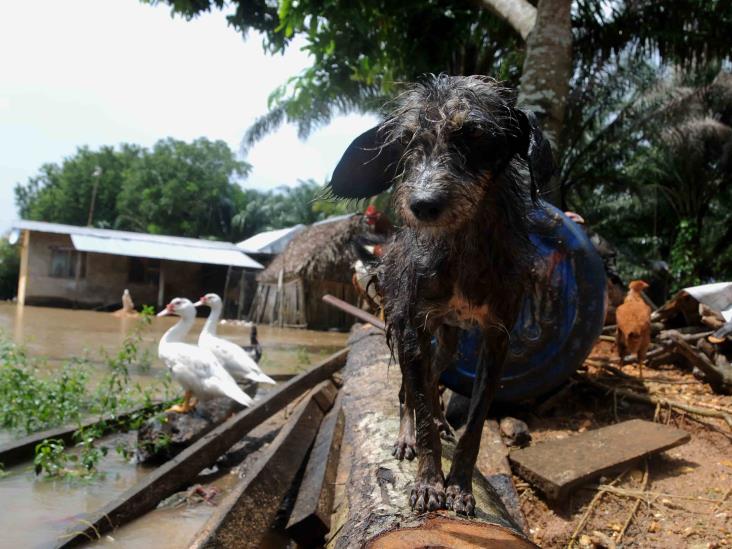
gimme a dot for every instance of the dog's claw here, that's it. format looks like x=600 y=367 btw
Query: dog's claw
x=427 y=496
x=404 y=448
x=460 y=500
x=446 y=433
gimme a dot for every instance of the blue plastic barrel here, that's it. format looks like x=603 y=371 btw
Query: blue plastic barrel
x=559 y=322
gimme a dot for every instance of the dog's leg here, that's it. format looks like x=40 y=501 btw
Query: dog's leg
x=460 y=480
x=428 y=493
x=447 y=340
x=404 y=447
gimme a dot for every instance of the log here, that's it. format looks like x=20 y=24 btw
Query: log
x=166 y=435
x=244 y=518
x=172 y=476
x=373 y=510
x=719 y=377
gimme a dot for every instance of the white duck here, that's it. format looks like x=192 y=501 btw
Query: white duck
x=235 y=359
x=196 y=369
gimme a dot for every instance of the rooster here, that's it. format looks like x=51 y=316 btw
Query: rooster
x=634 y=325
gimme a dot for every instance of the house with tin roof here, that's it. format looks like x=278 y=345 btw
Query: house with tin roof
x=66 y=265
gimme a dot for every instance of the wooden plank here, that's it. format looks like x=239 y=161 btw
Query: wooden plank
x=179 y=471
x=556 y=467
x=23 y=449
x=310 y=518
x=244 y=517
x=355 y=311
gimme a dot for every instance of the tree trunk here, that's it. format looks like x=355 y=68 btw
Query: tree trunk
x=371 y=502
x=518 y=13
x=545 y=80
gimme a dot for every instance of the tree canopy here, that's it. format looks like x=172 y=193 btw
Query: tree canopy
x=362 y=49
x=176 y=188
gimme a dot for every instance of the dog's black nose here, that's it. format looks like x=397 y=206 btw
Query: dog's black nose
x=426 y=209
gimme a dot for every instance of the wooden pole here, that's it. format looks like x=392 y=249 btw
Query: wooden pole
x=226 y=290
x=23 y=275
x=161 y=286
x=280 y=297
x=240 y=305
x=355 y=311
x=372 y=503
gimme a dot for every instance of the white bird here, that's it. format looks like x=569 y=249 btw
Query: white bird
x=196 y=369
x=235 y=359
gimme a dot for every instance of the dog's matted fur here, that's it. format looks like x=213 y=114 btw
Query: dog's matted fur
x=457 y=149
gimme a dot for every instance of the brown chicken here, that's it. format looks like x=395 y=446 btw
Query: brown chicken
x=634 y=325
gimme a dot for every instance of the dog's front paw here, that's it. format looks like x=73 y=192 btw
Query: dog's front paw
x=404 y=447
x=460 y=500
x=427 y=496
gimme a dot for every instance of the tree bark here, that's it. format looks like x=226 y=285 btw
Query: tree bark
x=545 y=80
x=518 y=13
x=371 y=502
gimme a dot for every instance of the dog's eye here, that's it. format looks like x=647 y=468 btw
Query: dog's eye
x=473 y=132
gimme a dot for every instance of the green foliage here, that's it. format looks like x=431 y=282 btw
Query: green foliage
x=50 y=458
x=181 y=189
x=9 y=269
x=684 y=260
x=30 y=402
x=177 y=188
x=285 y=207
x=63 y=193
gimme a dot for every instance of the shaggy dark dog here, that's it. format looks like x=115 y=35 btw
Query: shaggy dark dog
x=457 y=149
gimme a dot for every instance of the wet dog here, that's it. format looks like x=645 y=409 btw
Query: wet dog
x=457 y=150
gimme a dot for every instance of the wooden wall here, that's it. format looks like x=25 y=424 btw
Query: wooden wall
x=299 y=304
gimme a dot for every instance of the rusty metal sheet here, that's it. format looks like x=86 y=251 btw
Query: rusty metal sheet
x=556 y=467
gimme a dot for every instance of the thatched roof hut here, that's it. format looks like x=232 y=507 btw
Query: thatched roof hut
x=317 y=261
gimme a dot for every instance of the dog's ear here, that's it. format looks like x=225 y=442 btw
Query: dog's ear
x=367 y=168
x=536 y=150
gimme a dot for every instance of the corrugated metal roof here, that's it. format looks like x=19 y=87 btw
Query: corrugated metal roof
x=174 y=248
x=270 y=242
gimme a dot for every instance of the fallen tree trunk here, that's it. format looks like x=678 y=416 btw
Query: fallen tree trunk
x=371 y=508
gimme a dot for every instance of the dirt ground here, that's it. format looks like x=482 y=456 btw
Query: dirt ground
x=686 y=501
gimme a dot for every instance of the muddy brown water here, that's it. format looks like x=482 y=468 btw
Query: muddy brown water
x=34 y=510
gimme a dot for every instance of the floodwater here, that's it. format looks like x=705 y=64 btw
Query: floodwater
x=61 y=334
x=34 y=511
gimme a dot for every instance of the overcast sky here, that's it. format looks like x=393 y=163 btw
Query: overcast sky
x=98 y=72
